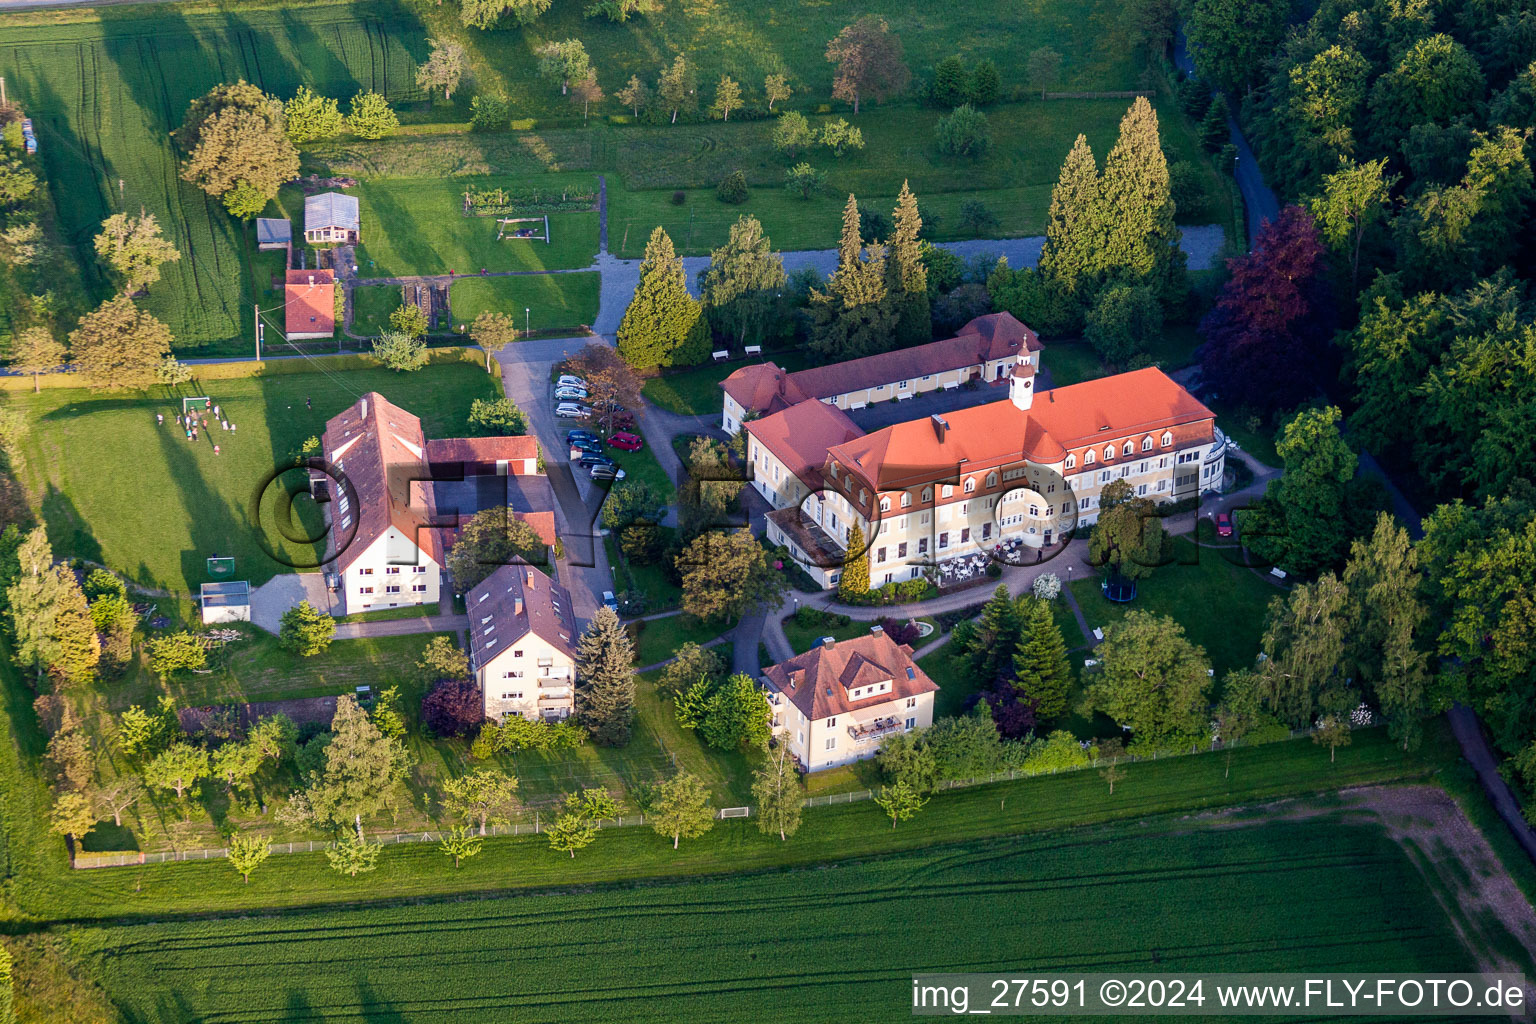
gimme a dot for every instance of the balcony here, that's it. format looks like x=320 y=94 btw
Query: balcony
x=877 y=729
x=554 y=700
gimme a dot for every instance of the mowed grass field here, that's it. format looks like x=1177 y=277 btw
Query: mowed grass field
x=833 y=944
x=542 y=302
x=120 y=489
x=104 y=95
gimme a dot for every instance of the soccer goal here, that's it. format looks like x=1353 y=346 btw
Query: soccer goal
x=524 y=229
x=221 y=567
x=200 y=404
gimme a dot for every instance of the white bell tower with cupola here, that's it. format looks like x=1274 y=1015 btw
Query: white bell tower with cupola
x=1021 y=384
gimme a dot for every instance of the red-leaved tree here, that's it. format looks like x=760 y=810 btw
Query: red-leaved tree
x=453 y=708
x=1266 y=339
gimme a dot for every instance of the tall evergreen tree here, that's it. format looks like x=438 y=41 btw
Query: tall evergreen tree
x=1040 y=659
x=662 y=318
x=996 y=635
x=742 y=283
x=853 y=316
x=854 y=582
x=1141 y=242
x=908 y=275
x=605 y=690
x=1075 y=228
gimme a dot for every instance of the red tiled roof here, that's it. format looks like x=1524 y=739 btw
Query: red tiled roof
x=762 y=387
x=819 y=681
x=800 y=436
x=766 y=388
x=309 y=302
x=1126 y=404
x=484 y=449
x=379 y=447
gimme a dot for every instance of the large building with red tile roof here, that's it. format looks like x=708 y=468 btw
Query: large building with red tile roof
x=522 y=644
x=1029 y=468
x=985 y=349
x=309 y=304
x=388 y=534
x=838 y=701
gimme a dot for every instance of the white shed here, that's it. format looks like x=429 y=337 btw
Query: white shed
x=226 y=602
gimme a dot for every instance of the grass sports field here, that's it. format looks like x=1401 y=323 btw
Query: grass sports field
x=838 y=944
x=181 y=502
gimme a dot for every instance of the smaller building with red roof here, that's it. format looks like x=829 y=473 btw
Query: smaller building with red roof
x=309 y=304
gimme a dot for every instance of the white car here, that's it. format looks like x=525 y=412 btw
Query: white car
x=570 y=394
x=568 y=381
x=573 y=411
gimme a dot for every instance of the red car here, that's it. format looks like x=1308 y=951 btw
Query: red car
x=628 y=442
x=623 y=421
x=1223 y=524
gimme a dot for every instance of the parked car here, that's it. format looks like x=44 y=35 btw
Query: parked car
x=609 y=601
x=606 y=474
x=582 y=449
x=570 y=381
x=570 y=394
x=572 y=435
x=623 y=421
x=573 y=411
x=627 y=442
x=590 y=460
x=1223 y=524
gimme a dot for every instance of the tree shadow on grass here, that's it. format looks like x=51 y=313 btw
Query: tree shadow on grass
x=67 y=528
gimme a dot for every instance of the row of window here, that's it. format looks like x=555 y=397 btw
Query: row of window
x=390 y=570
x=394 y=588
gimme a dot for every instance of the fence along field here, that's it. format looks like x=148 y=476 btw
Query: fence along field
x=105 y=97
x=835 y=943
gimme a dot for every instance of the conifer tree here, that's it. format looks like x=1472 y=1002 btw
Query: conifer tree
x=743 y=278
x=662 y=318
x=908 y=275
x=996 y=635
x=1141 y=242
x=51 y=621
x=605 y=689
x=1076 y=226
x=854 y=581
x=1040 y=659
x=853 y=317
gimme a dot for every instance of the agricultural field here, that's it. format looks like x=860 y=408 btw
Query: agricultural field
x=759 y=947
x=104 y=96
x=182 y=502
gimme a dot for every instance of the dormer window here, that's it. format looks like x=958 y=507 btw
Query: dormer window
x=946 y=491
x=906 y=499
x=1167 y=438
x=927 y=494
x=1071 y=462
x=1109 y=452
x=885 y=504
x=1087 y=458
x=1128 y=449
x=1146 y=443
x=970 y=484
x=991 y=479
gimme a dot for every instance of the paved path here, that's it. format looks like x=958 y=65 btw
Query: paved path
x=1475 y=748
x=402 y=627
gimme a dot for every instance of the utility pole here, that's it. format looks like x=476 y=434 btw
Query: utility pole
x=257 y=313
x=2 y=90
x=527 y=321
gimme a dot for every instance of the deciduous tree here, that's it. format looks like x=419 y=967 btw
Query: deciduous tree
x=635 y=95
x=445 y=67
x=72 y=816
x=117 y=796
x=1353 y=199
x=792 y=134
x=726 y=574
x=178 y=767
x=305 y=630
x=119 y=346
x=1306 y=638
x=899 y=801
x=246 y=853
x=776 y=87
x=370 y=116
x=352 y=855
x=483 y=796
x=34 y=350
x=312 y=116
x=570 y=832
x=727 y=98
x=682 y=809
x=743 y=283
x=1128 y=537
x=1233 y=38
x=486 y=13
x=779 y=796
x=868 y=62
x=678 y=87
x=134 y=248
x=1042 y=68
x=460 y=844
x=1151 y=680
x=586 y=91
x=493 y=331
x=237 y=133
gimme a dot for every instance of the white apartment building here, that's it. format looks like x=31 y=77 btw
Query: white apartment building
x=837 y=702
x=522 y=647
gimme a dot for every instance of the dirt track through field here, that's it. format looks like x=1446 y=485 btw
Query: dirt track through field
x=1490 y=913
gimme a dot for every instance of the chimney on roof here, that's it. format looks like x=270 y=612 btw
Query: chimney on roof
x=517 y=605
x=828 y=641
x=940 y=427
x=877 y=629
x=311 y=280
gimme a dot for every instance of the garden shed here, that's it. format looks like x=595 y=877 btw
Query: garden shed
x=226 y=602
x=332 y=217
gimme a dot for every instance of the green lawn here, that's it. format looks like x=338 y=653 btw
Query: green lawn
x=659 y=639
x=651 y=580
x=384 y=614
x=1182 y=898
x=727 y=773
x=415 y=226
x=1220 y=605
x=180 y=502
x=371 y=306
x=547 y=302
x=1072 y=360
